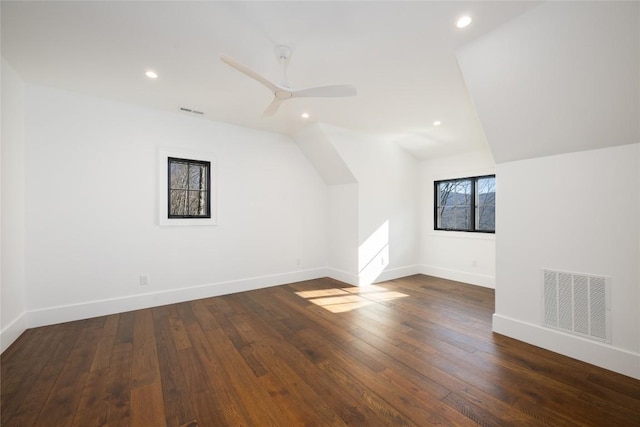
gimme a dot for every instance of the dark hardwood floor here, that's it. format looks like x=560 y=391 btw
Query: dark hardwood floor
x=416 y=351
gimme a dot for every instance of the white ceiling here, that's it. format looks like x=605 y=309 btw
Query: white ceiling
x=399 y=55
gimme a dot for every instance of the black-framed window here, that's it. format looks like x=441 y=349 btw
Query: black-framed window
x=189 y=188
x=465 y=204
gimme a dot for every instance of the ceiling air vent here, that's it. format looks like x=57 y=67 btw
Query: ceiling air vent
x=577 y=303
x=189 y=110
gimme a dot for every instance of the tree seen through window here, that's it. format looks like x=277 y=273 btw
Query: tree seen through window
x=465 y=204
x=189 y=188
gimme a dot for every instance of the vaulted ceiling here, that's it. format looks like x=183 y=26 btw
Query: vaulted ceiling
x=399 y=55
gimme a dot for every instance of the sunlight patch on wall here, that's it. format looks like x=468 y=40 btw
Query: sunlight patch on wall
x=373 y=255
x=341 y=300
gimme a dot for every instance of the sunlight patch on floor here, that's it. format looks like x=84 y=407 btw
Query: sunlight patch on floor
x=341 y=300
x=321 y=293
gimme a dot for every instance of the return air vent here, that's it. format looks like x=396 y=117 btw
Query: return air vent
x=577 y=303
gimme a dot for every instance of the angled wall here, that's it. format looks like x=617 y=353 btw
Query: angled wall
x=342 y=198
x=557 y=93
x=373 y=203
x=560 y=78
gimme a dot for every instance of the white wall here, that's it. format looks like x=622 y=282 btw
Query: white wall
x=342 y=206
x=91 y=209
x=465 y=257
x=387 y=192
x=342 y=253
x=576 y=212
x=12 y=231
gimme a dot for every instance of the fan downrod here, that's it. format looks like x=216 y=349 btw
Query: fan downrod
x=283 y=52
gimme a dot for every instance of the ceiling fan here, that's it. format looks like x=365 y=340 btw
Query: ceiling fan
x=283 y=91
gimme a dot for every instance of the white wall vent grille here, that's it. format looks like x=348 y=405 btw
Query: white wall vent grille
x=577 y=303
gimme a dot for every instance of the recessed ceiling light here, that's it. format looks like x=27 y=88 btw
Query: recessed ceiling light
x=463 y=21
x=151 y=74
x=437 y=123
x=304 y=115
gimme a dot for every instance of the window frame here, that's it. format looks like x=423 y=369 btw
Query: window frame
x=163 y=219
x=473 y=206
x=189 y=162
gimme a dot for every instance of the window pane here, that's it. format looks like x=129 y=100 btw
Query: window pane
x=486 y=204
x=455 y=204
x=197 y=177
x=463 y=193
x=463 y=218
x=189 y=182
x=445 y=193
x=178 y=202
x=454 y=218
x=178 y=172
x=197 y=203
x=486 y=185
x=446 y=218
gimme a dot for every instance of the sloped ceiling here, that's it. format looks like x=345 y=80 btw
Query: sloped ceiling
x=319 y=149
x=560 y=78
x=399 y=55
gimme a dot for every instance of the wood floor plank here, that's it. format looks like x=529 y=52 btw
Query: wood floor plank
x=178 y=330
x=219 y=403
x=94 y=401
x=416 y=351
x=119 y=385
x=147 y=403
x=102 y=357
x=145 y=368
x=177 y=403
x=147 y=406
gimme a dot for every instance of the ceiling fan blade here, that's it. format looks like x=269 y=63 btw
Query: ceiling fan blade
x=273 y=107
x=333 y=91
x=248 y=71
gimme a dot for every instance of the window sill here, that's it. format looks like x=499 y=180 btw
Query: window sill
x=186 y=222
x=462 y=235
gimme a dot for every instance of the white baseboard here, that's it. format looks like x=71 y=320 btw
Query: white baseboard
x=596 y=353
x=12 y=331
x=388 y=274
x=459 y=276
x=343 y=276
x=397 y=273
x=86 y=310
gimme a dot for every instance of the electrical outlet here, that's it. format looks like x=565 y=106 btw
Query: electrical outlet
x=297 y=261
x=144 y=279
